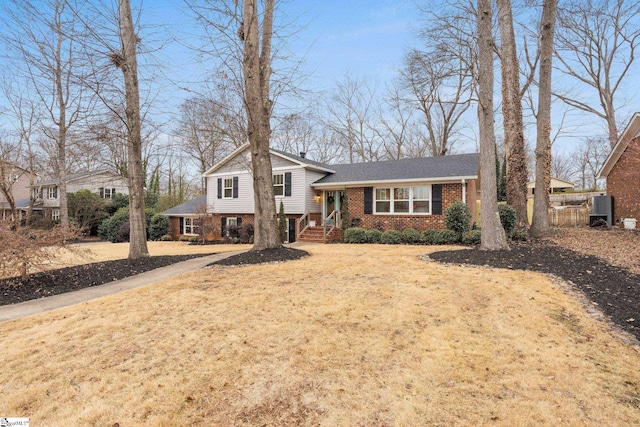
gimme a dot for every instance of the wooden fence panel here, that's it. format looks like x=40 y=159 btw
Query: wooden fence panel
x=569 y=217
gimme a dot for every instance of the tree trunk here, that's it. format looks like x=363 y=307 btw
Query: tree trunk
x=517 y=176
x=135 y=175
x=257 y=74
x=540 y=224
x=493 y=235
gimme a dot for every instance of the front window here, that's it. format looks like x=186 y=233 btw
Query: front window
x=228 y=188
x=278 y=184
x=191 y=226
x=52 y=192
x=55 y=214
x=107 y=193
x=403 y=200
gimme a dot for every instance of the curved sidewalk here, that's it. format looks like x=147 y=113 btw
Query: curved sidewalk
x=28 y=308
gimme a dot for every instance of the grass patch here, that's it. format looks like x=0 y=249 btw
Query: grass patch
x=353 y=335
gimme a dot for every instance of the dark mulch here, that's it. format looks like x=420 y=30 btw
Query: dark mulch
x=615 y=290
x=266 y=255
x=69 y=279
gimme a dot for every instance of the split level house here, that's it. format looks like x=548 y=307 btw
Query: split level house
x=16 y=181
x=392 y=194
x=103 y=182
x=621 y=169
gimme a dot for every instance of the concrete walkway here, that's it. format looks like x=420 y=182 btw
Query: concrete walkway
x=28 y=308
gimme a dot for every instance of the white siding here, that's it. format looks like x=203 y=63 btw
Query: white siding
x=95 y=182
x=310 y=203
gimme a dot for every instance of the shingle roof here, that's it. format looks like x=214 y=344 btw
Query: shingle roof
x=21 y=204
x=72 y=176
x=189 y=207
x=303 y=160
x=429 y=168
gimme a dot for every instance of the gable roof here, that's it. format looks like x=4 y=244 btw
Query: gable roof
x=459 y=166
x=302 y=161
x=76 y=176
x=190 y=207
x=555 y=183
x=631 y=132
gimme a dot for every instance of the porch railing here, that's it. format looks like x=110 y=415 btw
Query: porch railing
x=333 y=221
x=302 y=223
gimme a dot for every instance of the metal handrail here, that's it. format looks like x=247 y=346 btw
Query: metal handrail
x=303 y=219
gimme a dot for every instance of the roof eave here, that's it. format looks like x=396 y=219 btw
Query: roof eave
x=616 y=152
x=392 y=181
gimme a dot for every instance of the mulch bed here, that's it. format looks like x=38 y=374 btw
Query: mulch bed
x=68 y=279
x=614 y=290
x=280 y=254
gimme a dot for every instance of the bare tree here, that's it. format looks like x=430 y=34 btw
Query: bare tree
x=562 y=167
x=441 y=87
x=351 y=116
x=540 y=222
x=493 y=235
x=597 y=40
x=588 y=159
x=399 y=128
x=42 y=35
x=517 y=175
x=127 y=61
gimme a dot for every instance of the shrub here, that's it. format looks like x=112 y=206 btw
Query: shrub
x=158 y=227
x=520 y=234
x=354 y=235
x=472 y=237
x=457 y=218
x=444 y=237
x=427 y=236
x=507 y=217
x=124 y=232
x=391 y=237
x=410 y=235
x=166 y=238
x=184 y=239
x=373 y=235
x=246 y=233
x=109 y=229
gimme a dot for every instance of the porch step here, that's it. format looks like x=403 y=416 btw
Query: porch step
x=316 y=235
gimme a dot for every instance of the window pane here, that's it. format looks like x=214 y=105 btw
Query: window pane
x=278 y=190
x=383 y=194
x=421 y=206
x=401 y=193
x=421 y=193
x=383 y=207
x=278 y=179
x=400 y=207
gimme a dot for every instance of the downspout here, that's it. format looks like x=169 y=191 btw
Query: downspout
x=464 y=191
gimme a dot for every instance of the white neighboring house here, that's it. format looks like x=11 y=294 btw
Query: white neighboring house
x=104 y=182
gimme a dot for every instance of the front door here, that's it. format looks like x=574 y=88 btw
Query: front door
x=332 y=202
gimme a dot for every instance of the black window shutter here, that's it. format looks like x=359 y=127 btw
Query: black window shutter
x=287 y=184
x=101 y=192
x=181 y=225
x=55 y=192
x=235 y=187
x=223 y=225
x=219 y=188
x=113 y=192
x=368 y=200
x=239 y=221
x=436 y=199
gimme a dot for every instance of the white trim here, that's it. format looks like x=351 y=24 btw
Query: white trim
x=410 y=200
x=409 y=181
x=225 y=160
x=464 y=191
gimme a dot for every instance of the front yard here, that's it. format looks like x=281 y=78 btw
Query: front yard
x=366 y=335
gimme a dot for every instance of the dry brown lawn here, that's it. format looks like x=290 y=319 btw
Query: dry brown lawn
x=355 y=335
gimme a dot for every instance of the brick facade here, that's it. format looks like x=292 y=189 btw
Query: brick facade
x=450 y=193
x=622 y=183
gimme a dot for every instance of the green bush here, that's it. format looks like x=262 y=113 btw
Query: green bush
x=457 y=218
x=184 y=239
x=444 y=237
x=472 y=237
x=166 y=238
x=109 y=229
x=410 y=236
x=519 y=234
x=391 y=237
x=118 y=202
x=354 y=235
x=373 y=235
x=507 y=217
x=427 y=236
x=158 y=227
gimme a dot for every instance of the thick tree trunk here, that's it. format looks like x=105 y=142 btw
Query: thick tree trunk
x=257 y=74
x=493 y=235
x=129 y=67
x=62 y=131
x=540 y=224
x=517 y=176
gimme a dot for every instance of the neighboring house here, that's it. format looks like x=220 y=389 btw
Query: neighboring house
x=185 y=219
x=622 y=172
x=18 y=180
x=105 y=183
x=557 y=186
x=393 y=194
